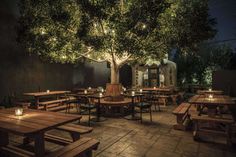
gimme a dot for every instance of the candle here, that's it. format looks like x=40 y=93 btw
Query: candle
x=210 y=96
x=19 y=111
x=141 y=90
x=85 y=91
x=100 y=94
x=89 y=88
x=132 y=93
x=124 y=89
x=102 y=90
x=210 y=89
x=48 y=91
x=154 y=87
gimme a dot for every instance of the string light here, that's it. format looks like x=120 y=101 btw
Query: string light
x=43 y=32
x=144 y=26
x=89 y=48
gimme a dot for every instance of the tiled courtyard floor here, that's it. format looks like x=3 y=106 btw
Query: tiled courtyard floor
x=124 y=138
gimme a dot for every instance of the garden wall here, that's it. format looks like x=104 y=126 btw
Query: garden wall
x=225 y=80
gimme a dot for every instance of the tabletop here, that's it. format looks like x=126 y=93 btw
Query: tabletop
x=216 y=100
x=32 y=121
x=217 y=92
x=45 y=93
x=158 y=89
x=98 y=96
x=133 y=95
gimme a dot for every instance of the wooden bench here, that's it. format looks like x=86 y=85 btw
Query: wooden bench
x=182 y=116
x=80 y=148
x=213 y=126
x=75 y=130
x=13 y=151
x=22 y=104
x=53 y=105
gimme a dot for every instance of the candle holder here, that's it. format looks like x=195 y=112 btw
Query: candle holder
x=210 y=96
x=19 y=111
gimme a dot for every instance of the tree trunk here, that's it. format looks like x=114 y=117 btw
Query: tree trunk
x=115 y=75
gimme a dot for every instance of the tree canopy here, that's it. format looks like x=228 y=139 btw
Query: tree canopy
x=63 y=31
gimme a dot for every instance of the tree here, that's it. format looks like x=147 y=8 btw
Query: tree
x=115 y=31
x=197 y=67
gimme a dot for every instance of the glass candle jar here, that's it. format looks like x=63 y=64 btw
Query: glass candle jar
x=19 y=111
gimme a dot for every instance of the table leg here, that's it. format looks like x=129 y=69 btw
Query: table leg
x=211 y=111
x=132 y=116
x=4 y=138
x=98 y=110
x=39 y=145
x=37 y=102
x=98 y=115
x=133 y=107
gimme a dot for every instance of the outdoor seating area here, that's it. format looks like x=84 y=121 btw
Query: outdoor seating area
x=204 y=116
x=117 y=78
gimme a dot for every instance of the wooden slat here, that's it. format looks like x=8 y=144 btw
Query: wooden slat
x=15 y=151
x=212 y=119
x=53 y=101
x=75 y=128
x=76 y=148
x=57 y=108
x=88 y=146
x=33 y=121
x=182 y=108
x=37 y=94
x=57 y=139
x=39 y=117
x=37 y=114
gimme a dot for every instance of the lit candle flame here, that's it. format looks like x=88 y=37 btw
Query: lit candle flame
x=19 y=111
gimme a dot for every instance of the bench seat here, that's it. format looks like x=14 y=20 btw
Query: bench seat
x=53 y=105
x=12 y=151
x=213 y=126
x=75 y=130
x=182 y=116
x=82 y=147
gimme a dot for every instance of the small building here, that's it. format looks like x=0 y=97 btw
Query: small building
x=155 y=74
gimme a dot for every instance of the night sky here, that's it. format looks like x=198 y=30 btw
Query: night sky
x=223 y=10
x=225 y=13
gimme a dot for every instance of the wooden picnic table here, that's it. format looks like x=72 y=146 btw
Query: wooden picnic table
x=33 y=124
x=211 y=103
x=37 y=95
